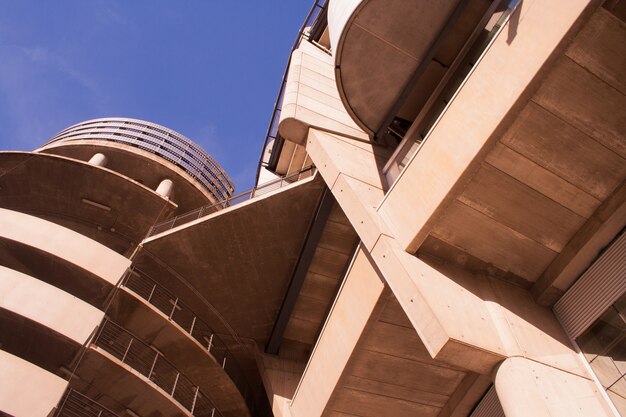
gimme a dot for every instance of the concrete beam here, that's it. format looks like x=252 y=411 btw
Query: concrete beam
x=353 y=307
x=582 y=249
x=299 y=274
x=477 y=117
x=499 y=319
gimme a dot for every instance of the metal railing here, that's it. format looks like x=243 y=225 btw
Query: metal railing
x=75 y=404
x=181 y=314
x=149 y=362
x=272 y=128
x=230 y=201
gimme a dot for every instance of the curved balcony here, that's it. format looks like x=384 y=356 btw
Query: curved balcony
x=390 y=55
x=75 y=404
x=59 y=256
x=94 y=201
x=157 y=316
x=118 y=365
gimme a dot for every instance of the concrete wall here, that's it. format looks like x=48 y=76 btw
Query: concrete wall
x=311 y=97
x=27 y=390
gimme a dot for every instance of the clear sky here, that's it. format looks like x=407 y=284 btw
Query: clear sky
x=208 y=69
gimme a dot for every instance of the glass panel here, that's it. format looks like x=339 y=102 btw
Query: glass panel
x=603 y=334
x=604 y=346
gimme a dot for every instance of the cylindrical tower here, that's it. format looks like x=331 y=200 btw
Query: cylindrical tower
x=130 y=145
x=76 y=318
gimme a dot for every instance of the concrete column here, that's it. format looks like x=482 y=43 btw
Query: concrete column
x=529 y=388
x=98 y=160
x=165 y=188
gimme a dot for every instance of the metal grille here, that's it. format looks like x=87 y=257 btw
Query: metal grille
x=149 y=362
x=599 y=287
x=75 y=404
x=158 y=140
x=489 y=406
x=181 y=314
x=230 y=201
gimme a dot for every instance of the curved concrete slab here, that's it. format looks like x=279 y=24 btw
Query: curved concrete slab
x=119 y=387
x=94 y=201
x=60 y=242
x=30 y=390
x=142 y=166
x=23 y=295
x=145 y=321
x=55 y=271
x=378 y=46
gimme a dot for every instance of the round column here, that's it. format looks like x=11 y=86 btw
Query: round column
x=98 y=160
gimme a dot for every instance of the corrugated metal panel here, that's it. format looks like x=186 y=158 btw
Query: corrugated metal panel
x=599 y=287
x=489 y=406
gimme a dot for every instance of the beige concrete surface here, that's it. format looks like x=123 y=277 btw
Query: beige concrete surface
x=391 y=373
x=280 y=379
x=247 y=255
x=471 y=124
x=350 y=313
x=323 y=279
x=139 y=165
x=47 y=305
x=63 y=243
x=527 y=388
x=94 y=201
x=27 y=390
x=382 y=44
x=311 y=97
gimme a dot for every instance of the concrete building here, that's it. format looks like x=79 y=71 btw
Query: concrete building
x=445 y=237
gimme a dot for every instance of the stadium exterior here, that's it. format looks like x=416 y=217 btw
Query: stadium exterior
x=444 y=236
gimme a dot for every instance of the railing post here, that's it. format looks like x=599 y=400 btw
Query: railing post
x=156 y=356
x=174 y=307
x=213 y=412
x=151 y=292
x=210 y=342
x=127 y=349
x=224 y=362
x=175 y=382
x=193 y=323
x=195 y=397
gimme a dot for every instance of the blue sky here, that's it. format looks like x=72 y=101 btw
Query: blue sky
x=208 y=69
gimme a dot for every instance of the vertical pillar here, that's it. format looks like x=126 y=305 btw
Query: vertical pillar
x=98 y=160
x=529 y=388
x=165 y=188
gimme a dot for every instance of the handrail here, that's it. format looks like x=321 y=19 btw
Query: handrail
x=75 y=404
x=230 y=201
x=146 y=360
x=272 y=128
x=178 y=312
